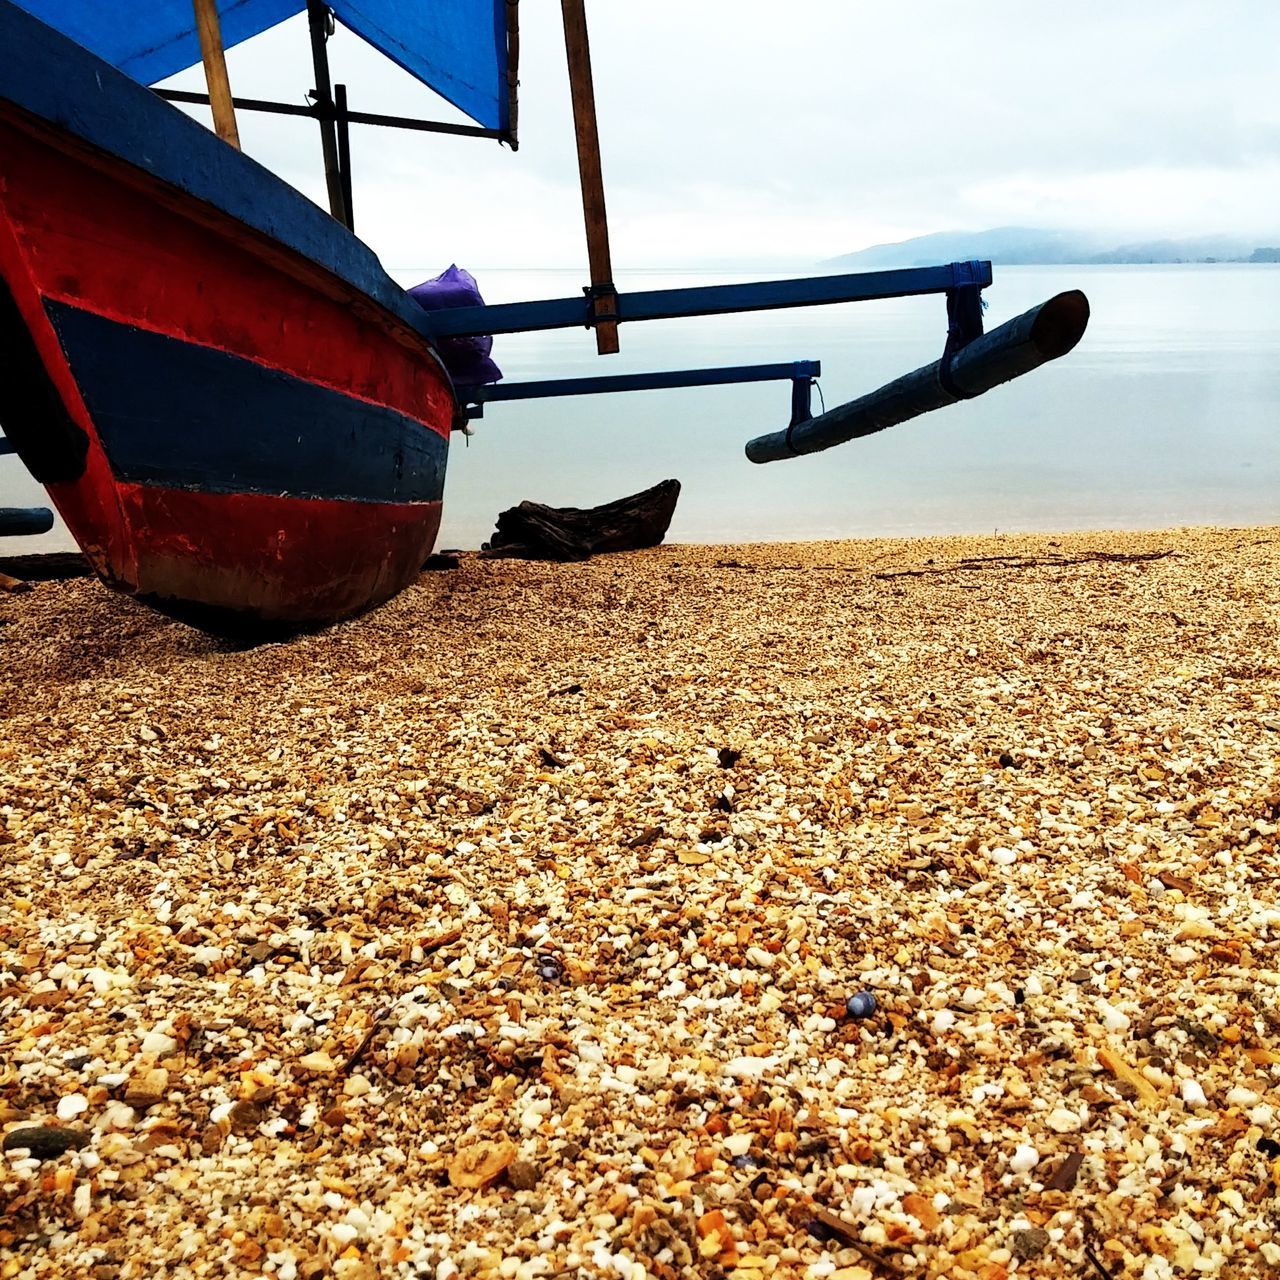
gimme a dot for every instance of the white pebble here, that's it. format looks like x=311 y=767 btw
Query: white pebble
x=1003 y=857
x=1242 y=1097
x=738 y=1144
x=72 y=1105
x=1024 y=1159
x=159 y=1043
x=1112 y=1018
x=1193 y=1094
x=1063 y=1120
x=749 y=1067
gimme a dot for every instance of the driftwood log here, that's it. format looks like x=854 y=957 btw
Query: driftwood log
x=46 y=566
x=532 y=531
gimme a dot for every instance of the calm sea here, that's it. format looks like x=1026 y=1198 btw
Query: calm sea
x=1168 y=413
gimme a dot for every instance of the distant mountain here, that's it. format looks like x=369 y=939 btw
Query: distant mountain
x=1026 y=246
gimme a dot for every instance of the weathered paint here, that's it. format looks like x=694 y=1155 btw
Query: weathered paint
x=78 y=95
x=209 y=420
x=261 y=440
x=276 y=538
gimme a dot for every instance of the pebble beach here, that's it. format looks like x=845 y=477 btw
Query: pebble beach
x=832 y=911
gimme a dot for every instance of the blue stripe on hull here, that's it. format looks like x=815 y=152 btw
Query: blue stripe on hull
x=189 y=417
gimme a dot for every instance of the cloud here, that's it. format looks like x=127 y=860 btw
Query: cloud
x=739 y=130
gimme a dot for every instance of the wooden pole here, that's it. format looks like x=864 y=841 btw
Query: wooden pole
x=317 y=18
x=344 y=152
x=604 y=297
x=513 y=73
x=209 y=29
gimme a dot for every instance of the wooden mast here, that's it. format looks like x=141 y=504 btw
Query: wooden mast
x=603 y=295
x=209 y=29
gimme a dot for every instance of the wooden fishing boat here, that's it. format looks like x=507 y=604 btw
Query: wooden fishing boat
x=240 y=417
x=225 y=396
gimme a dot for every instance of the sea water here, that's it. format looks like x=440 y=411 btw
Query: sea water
x=1167 y=413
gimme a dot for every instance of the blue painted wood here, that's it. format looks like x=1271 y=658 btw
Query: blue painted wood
x=183 y=416
x=6 y=446
x=1018 y=346
x=711 y=300
x=44 y=73
x=804 y=369
x=21 y=522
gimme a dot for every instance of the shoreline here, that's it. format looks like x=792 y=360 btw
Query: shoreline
x=511 y=925
x=20 y=549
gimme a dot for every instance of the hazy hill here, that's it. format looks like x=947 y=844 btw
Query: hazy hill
x=1018 y=246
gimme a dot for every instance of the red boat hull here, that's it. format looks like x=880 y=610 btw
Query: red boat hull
x=230 y=431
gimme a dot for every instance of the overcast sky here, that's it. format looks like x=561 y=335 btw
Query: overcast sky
x=740 y=132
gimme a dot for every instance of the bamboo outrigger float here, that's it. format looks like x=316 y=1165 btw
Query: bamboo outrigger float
x=241 y=418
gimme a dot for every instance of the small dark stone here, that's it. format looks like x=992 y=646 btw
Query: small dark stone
x=441 y=562
x=335 y=1117
x=1007 y=761
x=1269 y=1147
x=647 y=836
x=1199 y=1035
x=861 y=1004
x=44 y=1142
x=1019 y=996
x=819 y=1231
x=261 y=952
x=523 y=1175
x=1030 y=1243
x=245 y=1116
x=728 y=757
x=1063 y=1178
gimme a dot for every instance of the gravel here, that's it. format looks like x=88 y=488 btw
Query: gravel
x=510 y=929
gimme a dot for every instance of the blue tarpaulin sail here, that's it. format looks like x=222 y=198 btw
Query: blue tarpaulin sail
x=456 y=47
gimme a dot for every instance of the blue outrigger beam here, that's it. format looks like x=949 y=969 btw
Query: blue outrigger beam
x=6 y=446
x=971 y=363
x=16 y=522
x=800 y=372
x=707 y=300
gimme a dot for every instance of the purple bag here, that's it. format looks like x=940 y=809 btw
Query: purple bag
x=467 y=359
